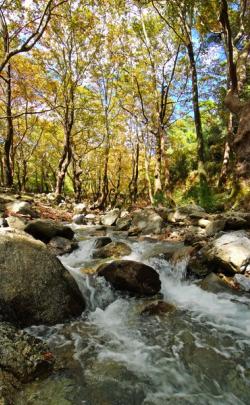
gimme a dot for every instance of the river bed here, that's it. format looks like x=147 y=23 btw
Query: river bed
x=113 y=355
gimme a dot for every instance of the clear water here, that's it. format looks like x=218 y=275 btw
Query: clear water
x=112 y=355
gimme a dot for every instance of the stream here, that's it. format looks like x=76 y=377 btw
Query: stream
x=113 y=355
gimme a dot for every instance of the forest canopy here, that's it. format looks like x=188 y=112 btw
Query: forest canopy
x=122 y=102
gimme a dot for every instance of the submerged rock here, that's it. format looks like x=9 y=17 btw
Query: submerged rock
x=102 y=241
x=113 y=249
x=22 y=359
x=134 y=277
x=22 y=355
x=34 y=283
x=216 y=284
x=45 y=230
x=158 y=308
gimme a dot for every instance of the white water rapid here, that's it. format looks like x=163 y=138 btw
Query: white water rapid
x=113 y=355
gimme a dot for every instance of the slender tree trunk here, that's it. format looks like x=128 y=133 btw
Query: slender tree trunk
x=8 y=144
x=77 y=172
x=133 y=184
x=158 y=164
x=197 y=116
x=105 y=179
x=118 y=182
x=24 y=175
x=2 y=170
x=67 y=151
x=227 y=152
x=147 y=167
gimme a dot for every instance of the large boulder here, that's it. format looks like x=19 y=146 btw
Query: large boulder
x=113 y=249
x=146 y=221
x=110 y=217
x=134 y=277
x=45 y=230
x=34 y=283
x=230 y=252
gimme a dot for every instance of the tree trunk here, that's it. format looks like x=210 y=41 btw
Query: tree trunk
x=8 y=144
x=105 y=179
x=158 y=164
x=197 y=116
x=77 y=172
x=133 y=184
x=227 y=152
x=147 y=164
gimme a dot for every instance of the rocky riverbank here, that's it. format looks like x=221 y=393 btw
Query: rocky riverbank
x=37 y=289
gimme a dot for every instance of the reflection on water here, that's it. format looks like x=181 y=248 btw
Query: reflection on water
x=199 y=354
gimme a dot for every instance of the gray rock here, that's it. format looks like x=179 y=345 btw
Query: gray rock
x=102 y=241
x=230 y=251
x=79 y=219
x=127 y=275
x=212 y=226
x=113 y=249
x=186 y=213
x=123 y=224
x=45 y=230
x=110 y=218
x=22 y=355
x=21 y=207
x=213 y=283
x=243 y=282
x=16 y=222
x=158 y=308
x=80 y=208
x=237 y=220
x=146 y=221
x=34 y=284
x=60 y=246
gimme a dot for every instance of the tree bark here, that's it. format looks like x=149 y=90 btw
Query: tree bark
x=67 y=147
x=227 y=152
x=8 y=144
x=197 y=116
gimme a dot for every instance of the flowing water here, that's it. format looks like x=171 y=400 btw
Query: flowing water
x=113 y=355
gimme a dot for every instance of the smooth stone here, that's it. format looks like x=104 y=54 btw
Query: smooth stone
x=45 y=230
x=134 y=277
